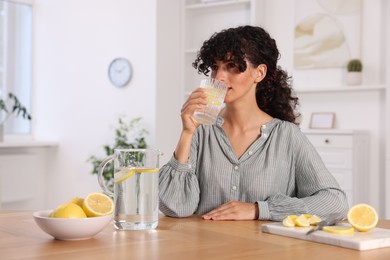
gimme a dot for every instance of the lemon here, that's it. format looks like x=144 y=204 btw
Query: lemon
x=68 y=210
x=314 y=219
x=302 y=221
x=288 y=221
x=126 y=173
x=98 y=204
x=77 y=200
x=340 y=230
x=362 y=217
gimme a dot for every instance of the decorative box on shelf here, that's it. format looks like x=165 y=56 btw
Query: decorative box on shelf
x=345 y=154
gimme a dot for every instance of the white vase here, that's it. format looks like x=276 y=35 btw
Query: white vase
x=354 y=78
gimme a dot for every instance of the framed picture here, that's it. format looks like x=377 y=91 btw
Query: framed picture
x=322 y=120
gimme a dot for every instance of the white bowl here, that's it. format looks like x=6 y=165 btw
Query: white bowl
x=70 y=228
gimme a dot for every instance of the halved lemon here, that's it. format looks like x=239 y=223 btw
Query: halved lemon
x=97 y=204
x=362 y=217
x=302 y=221
x=126 y=173
x=340 y=230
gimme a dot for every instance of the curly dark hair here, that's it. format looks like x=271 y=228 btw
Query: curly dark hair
x=274 y=94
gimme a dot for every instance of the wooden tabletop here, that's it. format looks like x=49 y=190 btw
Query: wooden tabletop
x=186 y=238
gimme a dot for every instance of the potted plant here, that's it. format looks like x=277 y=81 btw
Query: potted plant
x=128 y=135
x=11 y=106
x=354 y=75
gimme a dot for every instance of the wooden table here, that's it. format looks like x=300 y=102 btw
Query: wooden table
x=186 y=238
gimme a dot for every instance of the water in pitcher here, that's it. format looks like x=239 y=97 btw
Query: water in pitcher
x=136 y=198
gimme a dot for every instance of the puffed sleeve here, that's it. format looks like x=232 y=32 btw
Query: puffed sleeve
x=178 y=186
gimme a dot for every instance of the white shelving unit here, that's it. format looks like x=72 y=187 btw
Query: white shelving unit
x=202 y=19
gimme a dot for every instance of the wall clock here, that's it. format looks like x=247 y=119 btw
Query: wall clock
x=120 y=72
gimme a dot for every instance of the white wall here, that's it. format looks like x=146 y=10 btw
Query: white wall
x=168 y=82
x=386 y=76
x=75 y=104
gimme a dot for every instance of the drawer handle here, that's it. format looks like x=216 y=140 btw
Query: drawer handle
x=327 y=141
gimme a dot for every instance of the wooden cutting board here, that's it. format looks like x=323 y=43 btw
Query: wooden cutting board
x=375 y=238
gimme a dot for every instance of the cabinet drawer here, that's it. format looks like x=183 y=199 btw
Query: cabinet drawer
x=336 y=158
x=331 y=140
x=18 y=182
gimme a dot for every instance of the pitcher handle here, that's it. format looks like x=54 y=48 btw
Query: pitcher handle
x=102 y=183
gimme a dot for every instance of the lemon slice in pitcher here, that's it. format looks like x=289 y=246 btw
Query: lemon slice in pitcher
x=128 y=172
x=123 y=174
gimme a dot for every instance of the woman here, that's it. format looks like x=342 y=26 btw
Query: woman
x=254 y=162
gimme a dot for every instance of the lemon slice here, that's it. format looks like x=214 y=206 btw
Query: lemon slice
x=128 y=172
x=302 y=221
x=340 y=230
x=362 y=217
x=123 y=174
x=98 y=204
x=288 y=221
x=314 y=219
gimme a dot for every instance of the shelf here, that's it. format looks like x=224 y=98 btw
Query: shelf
x=342 y=89
x=27 y=144
x=216 y=3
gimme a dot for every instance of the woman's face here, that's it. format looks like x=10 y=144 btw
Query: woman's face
x=241 y=85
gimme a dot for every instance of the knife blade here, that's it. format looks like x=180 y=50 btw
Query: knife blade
x=331 y=220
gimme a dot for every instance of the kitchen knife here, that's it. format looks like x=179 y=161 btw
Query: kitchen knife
x=331 y=220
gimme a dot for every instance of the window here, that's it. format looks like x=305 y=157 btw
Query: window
x=16 y=59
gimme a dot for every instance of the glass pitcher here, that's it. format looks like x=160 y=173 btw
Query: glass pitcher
x=135 y=187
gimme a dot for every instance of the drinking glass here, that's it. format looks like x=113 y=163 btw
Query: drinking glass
x=216 y=91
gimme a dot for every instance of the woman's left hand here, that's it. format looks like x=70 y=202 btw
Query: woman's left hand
x=233 y=210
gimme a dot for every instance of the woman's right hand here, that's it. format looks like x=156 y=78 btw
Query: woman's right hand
x=197 y=100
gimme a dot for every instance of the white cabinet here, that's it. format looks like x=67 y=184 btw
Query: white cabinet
x=23 y=174
x=345 y=153
x=204 y=18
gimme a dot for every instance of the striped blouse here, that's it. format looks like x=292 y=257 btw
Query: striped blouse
x=281 y=171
